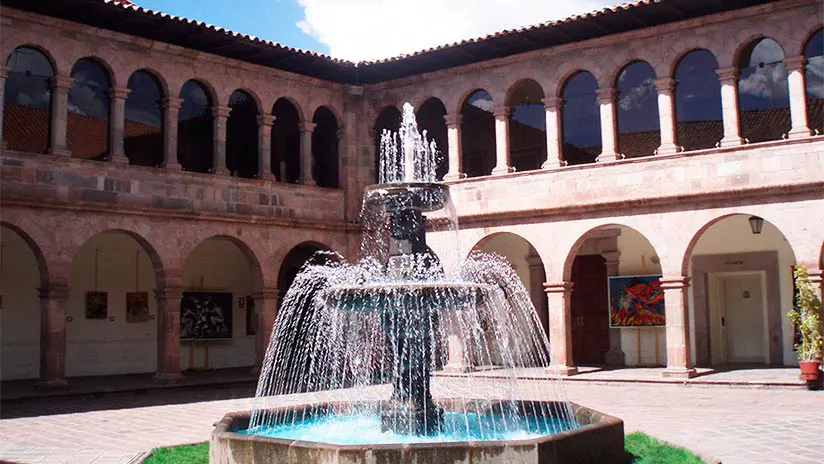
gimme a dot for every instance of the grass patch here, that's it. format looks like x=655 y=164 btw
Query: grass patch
x=190 y=454
x=643 y=448
x=647 y=450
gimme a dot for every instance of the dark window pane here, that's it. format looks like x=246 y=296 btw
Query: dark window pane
x=286 y=142
x=478 y=134
x=698 y=116
x=637 y=111
x=195 y=129
x=27 y=101
x=581 y=120
x=763 y=93
x=527 y=126
x=325 y=148
x=87 y=130
x=431 y=119
x=242 y=136
x=814 y=72
x=143 y=130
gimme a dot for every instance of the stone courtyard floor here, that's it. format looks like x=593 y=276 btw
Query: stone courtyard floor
x=720 y=423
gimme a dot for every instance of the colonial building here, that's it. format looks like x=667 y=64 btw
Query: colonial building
x=146 y=157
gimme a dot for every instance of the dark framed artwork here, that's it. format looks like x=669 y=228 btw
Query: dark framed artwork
x=137 y=307
x=636 y=301
x=97 y=305
x=206 y=316
x=251 y=316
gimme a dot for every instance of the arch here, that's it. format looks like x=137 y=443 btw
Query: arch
x=636 y=110
x=389 y=119
x=27 y=100
x=246 y=250
x=478 y=133
x=580 y=118
x=242 y=135
x=286 y=141
x=143 y=132
x=294 y=260
x=325 y=156
x=195 y=131
x=152 y=254
x=726 y=247
x=814 y=83
x=698 y=115
x=763 y=91
x=87 y=126
x=42 y=264
x=430 y=116
x=527 y=125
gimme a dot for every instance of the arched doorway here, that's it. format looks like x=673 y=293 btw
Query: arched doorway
x=296 y=258
x=741 y=290
x=617 y=314
x=527 y=126
x=111 y=310
x=20 y=277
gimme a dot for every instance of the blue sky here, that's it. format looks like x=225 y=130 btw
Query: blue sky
x=274 y=20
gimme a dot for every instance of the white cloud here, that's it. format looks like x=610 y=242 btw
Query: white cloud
x=373 y=29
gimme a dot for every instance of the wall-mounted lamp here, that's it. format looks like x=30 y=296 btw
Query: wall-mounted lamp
x=756 y=223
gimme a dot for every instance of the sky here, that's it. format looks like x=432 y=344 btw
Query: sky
x=359 y=30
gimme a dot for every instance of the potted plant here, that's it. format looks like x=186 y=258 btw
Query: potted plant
x=806 y=318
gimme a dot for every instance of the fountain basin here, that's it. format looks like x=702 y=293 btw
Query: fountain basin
x=599 y=438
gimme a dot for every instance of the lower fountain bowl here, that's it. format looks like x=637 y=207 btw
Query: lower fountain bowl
x=599 y=438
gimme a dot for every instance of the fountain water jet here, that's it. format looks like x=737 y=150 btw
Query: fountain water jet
x=370 y=343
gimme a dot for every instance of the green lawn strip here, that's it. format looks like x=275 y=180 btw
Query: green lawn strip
x=648 y=450
x=189 y=454
x=645 y=449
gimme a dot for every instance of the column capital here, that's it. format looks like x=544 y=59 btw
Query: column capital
x=221 y=111
x=54 y=292
x=61 y=82
x=665 y=85
x=306 y=126
x=794 y=63
x=268 y=293
x=119 y=93
x=674 y=282
x=171 y=102
x=558 y=287
x=552 y=103
x=502 y=112
x=266 y=120
x=452 y=120
x=727 y=74
x=606 y=94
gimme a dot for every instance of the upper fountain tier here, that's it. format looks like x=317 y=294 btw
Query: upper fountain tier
x=406 y=156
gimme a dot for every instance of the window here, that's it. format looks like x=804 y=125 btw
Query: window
x=195 y=131
x=637 y=111
x=27 y=101
x=580 y=119
x=143 y=129
x=763 y=93
x=242 y=136
x=698 y=118
x=478 y=134
x=87 y=129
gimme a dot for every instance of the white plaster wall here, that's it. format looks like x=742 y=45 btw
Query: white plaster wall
x=20 y=314
x=106 y=346
x=733 y=235
x=512 y=247
x=219 y=265
x=643 y=346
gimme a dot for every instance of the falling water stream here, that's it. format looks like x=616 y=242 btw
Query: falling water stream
x=373 y=339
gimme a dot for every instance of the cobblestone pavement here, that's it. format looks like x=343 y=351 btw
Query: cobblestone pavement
x=730 y=425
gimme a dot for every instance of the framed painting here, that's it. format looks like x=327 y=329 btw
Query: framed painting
x=97 y=305
x=137 y=307
x=206 y=316
x=636 y=301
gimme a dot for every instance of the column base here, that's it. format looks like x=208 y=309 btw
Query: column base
x=799 y=133
x=269 y=177
x=309 y=182
x=222 y=172
x=563 y=371
x=499 y=171
x=458 y=368
x=454 y=176
x=731 y=142
x=60 y=152
x=668 y=149
x=606 y=158
x=553 y=164
x=167 y=378
x=53 y=384
x=172 y=166
x=681 y=373
x=119 y=159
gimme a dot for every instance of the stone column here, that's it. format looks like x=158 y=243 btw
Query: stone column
x=53 y=336
x=536 y=286
x=666 y=115
x=266 y=308
x=503 y=164
x=60 y=115
x=453 y=133
x=798 y=97
x=4 y=73
x=118 y=124
x=615 y=355
x=609 y=130
x=559 y=296
x=306 y=128
x=219 y=116
x=679 y=364
x=554 y=144
x=171 y=108
x=168 y=334
x=729 y=106
x=265 y=122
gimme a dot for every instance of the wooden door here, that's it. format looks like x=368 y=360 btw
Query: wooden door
x=743 y=319
x=590 y=310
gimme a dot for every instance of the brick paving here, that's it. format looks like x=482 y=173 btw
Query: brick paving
x=722 y=424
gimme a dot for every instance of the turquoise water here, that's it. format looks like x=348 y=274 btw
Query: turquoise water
x=365 y=429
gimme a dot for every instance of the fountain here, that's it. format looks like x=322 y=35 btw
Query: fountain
x=372 y=362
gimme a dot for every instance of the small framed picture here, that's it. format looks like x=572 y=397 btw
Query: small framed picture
x=137 y=307
x=97 y=305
